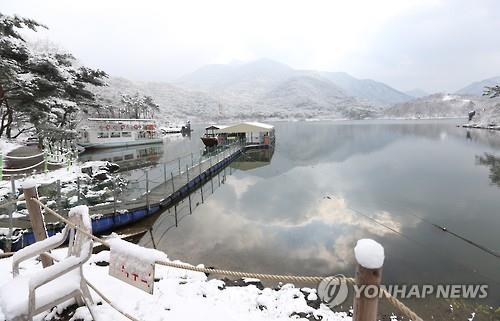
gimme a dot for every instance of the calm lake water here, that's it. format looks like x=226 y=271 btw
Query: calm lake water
x=329 y=184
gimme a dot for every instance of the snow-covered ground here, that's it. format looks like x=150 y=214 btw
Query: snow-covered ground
x=182 y=295
x=66 y=174
x=6 y=146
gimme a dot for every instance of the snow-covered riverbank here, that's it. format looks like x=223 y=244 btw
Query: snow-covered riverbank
x=184 y=295
x=64 y=175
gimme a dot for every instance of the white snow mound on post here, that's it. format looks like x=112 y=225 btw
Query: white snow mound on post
x=29 y=183
x=369 y=254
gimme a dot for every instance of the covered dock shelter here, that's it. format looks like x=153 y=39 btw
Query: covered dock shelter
x=252 y=133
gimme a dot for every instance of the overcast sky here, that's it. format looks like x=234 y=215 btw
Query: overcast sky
x=430 y=44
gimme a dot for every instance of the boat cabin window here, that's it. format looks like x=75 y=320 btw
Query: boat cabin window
x=126 y=134
x=102 y=135
x=115 y=134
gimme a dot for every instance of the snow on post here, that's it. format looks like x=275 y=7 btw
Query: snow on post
x=370 y=257
x=369 y=254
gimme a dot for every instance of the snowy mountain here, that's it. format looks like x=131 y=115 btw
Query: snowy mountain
x=437 y=105
x=476 y=88
x=263 y=89
x=248 y=79
x=368 y=89
x=253 y=79
x=266 y=90
x=315 y=97
x=416 y=93
x=176 y=104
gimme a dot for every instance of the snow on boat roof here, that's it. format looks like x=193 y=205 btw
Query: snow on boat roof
x=246 y=127
x=120 y=119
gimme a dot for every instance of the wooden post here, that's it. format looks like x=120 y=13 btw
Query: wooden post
x=366 y=305
x=179 y=165
x=192 y=160
x=36 y=217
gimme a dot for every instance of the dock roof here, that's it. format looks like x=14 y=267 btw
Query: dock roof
x=247 y=127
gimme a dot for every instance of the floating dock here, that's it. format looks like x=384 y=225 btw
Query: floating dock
x=174 y=188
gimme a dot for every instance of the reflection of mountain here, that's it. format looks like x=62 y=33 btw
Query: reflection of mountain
x=493 y=163
x=128 y=158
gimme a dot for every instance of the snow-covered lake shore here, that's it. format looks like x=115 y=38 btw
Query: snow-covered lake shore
x=183 y=295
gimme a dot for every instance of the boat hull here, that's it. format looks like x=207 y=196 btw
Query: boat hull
x=120 y=143
x=209 y=141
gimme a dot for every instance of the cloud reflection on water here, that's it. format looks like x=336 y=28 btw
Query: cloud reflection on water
x=278 y=218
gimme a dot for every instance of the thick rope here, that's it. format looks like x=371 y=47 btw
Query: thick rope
x=401 y=306
x=50 y=211
x=273 y=277
x=56 y=164
x=6 y=254
x=22 y=169
x=23 y=157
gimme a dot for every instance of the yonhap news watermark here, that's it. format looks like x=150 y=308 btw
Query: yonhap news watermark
x=334 y=290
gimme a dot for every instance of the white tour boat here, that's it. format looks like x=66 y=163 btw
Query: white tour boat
x=118 y=132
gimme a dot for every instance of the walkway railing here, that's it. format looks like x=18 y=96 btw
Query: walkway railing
x=159 y=181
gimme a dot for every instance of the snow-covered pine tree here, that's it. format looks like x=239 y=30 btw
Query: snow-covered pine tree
x=40 y=89
x=139 y=106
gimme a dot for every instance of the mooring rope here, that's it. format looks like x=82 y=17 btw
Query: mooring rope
x=272 y=277
x=23 y=157
x=6 y=254
x=50 y=211
x=23 y=169
x=401 y=306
